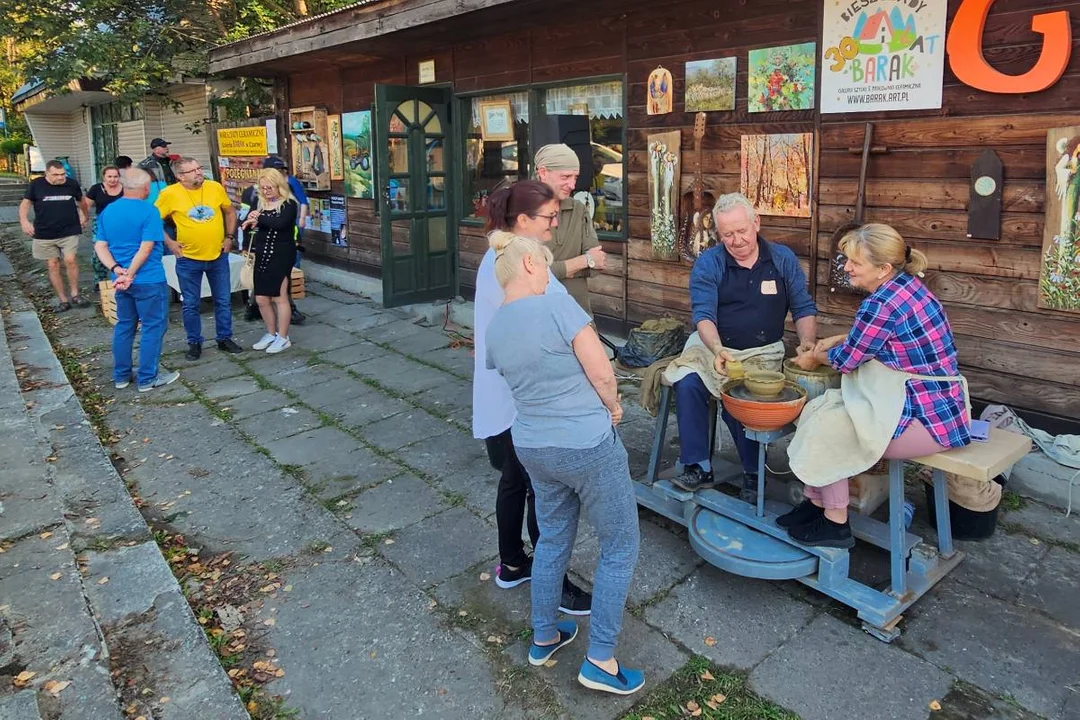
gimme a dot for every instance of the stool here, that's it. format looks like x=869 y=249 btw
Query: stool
x=663 y=411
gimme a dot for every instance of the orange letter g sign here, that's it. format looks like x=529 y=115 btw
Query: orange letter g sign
x=966 y=57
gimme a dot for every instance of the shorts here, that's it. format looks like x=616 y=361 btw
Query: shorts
x=52 y=249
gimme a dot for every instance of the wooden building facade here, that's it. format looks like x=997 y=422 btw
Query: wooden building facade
x=1011 y=350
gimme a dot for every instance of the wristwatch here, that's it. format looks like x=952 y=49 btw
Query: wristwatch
x=113 y=268
x=589 y=261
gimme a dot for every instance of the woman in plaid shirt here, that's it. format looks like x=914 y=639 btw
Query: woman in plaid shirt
x=902 y=325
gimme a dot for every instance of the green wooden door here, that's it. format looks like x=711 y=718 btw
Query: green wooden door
x=416 y=205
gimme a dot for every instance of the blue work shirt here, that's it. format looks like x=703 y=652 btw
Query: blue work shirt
x=749 y=305
x=125 y=225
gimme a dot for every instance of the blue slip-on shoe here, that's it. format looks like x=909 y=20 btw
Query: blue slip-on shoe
x=540 y=654
x=624 y=682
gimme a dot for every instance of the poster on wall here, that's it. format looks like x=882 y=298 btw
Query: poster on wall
x=710 y=85
x=338 y=231
x=1059 y=275
x=242 y=142
x=775 y=173
x=333 y=129
x=357 y=162
x=888 y=56
x=238 y=173
x=319 y=218
x=781 y=78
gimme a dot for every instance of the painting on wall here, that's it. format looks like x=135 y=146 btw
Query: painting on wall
x=775 y=173
x=1059 y=276
x=496 y=120
x=357 y=163
x=710 y=85
x=333 y=129
x=661 y=90
x=665 y=171
x=781 y=78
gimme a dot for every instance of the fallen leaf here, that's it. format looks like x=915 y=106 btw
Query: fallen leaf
x=63 y=547
x=271 y=652
x=551 y=663
x=710 y=641
x=1034 y=541
x=102 y=581
x=693 y=708
x=462 y=613
x=494 y=639
x=372 y=654
x=23 y=678
x=484 y=577
x=270 y=621
x=45 y=535
x=328 y=549
x=716 y=701
x=388 y=541
x=56 y=576
x=707 y=676
x=935 y=705
x=287 y=588
x=164 y=700
x=279 y=673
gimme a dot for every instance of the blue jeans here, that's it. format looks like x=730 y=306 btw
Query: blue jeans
x=564 y=481
x=190 y=274
x=147 y=303
x=692 y=413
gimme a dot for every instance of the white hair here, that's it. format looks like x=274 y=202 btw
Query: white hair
x=734 y=201
x=134 y=179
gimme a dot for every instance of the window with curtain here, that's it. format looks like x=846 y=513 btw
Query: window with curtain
x=490 y=165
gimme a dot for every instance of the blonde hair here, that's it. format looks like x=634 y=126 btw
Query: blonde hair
x=881 y=245
x=279 y=181
x=511 y=249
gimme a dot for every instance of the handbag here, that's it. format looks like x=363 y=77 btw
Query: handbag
x=247 y=273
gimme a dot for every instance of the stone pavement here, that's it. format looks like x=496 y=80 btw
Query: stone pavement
x=343 y=472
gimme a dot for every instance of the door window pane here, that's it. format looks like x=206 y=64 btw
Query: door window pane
x=435 y=155
x=437 y=234
x=399 y=154
x=493 y=164
x=398 y=194
x=436 y=193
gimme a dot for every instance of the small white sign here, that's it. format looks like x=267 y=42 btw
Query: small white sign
x=427 y=71
x=271 y=137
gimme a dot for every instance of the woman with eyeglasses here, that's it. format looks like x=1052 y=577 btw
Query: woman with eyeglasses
x=529 y=209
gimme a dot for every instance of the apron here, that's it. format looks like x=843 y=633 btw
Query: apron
x=845 y=432
x=698 y=359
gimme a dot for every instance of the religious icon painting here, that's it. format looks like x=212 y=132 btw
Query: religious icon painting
x=660 y=91
x=781 y=78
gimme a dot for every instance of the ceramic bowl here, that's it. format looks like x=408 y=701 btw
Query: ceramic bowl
x=764 y=384
x=763 y=415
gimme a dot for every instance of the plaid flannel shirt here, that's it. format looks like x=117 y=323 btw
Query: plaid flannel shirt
x=904 y=327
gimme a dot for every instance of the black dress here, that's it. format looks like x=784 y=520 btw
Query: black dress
x=275 y=247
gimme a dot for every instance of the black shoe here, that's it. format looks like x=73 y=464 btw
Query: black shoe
x=748 y=493
x=575 y=601
x=801 y=514
x=507 y=578
x=823 y=532
x=229 y=345
x=252 y=313
x=693 y=478
x=298 y=318
x=194 y=351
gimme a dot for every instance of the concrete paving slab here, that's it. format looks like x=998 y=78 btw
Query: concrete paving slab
x=353 y=354
x=316 y=289
x=458 y=361
x=995 y=645
x=360 y=640
x=211 y=369
x=315 y=305
x=282 y=363
x=749 y=618
x=90 y=488
x=1045 y=522
x=395 y=504
x=297 y=378
x=444 y=546
x=476 y=483
x=391 y=333
x=406 y=428
x=334 y=463
x=134 y=577
x=640 y=647
x=446 y=455
x=664 y=559
x=418 y=343
x=334 y=391
x=448 y=398
x=91 y=695
x=20 y=706
x=317 y=336
x=402 y=375
x=278 y=424
x=1052 y=588
x=506 y=612
x=832 y=671
x=1000 y=565
x=248 y=406
x=360 y=411
x=357 y=318
x=230 y=388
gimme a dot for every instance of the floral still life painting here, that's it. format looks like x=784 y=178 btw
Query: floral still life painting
x=781 y=78
x=710 y=85
x=775 y=173
x=1059 y=277
x=664 y=182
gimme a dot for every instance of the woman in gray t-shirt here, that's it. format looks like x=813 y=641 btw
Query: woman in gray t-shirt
x=567 y=404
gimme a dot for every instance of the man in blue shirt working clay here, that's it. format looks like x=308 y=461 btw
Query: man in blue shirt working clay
x=130 y=240
x=741 y=292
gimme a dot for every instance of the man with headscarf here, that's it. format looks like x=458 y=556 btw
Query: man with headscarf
x=574 y=244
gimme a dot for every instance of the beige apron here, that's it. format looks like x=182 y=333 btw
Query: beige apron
x=845 y=432
x=698 y=359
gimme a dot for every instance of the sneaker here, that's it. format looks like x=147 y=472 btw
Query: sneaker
x=298 y=318
x=194 y=351
x=161 y=380
x=748 y=493
x=507 y=578
x=279 y=344
x=540 y=654
x=229 y=345
x=801 y=514
x=575 y=601
x=623 y=682
x=693 y=478
x=80 y=301
x=264 y=341
x=823 y=532
x=121 y=384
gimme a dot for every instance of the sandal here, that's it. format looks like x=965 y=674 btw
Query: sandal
x=63 y=307
x=80 y=301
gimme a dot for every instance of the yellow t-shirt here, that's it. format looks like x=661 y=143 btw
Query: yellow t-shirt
x=198 y=216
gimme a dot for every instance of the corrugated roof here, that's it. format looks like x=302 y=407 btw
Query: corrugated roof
x=28 y=90
x=303 y=21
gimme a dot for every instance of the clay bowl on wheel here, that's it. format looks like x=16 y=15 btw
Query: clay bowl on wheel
x=761 y=414
x=764 y=384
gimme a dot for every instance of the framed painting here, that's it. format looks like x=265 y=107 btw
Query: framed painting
x=776 y=171
x=333 y=128
x=781 y=78
x=358 y=165
x=496 y=121
x=1059 y=272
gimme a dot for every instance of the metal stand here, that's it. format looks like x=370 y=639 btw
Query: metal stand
x=745 y=539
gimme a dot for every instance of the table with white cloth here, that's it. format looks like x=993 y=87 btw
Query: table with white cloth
x=236 y=263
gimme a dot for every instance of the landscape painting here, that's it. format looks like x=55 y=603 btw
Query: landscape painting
x=775 y=173
x=356 y=144
x=781 y=78
x=1059 y=276
x=710 y=85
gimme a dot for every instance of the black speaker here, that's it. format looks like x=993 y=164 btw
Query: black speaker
x=572 y=130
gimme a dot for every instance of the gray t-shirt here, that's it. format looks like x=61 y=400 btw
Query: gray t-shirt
x=530 y=343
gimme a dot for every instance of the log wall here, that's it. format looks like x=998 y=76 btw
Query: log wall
x=1010 y=350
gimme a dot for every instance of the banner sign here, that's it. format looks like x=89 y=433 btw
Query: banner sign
x=242 y=142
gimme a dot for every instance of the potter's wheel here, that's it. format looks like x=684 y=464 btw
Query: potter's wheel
x=739 y=392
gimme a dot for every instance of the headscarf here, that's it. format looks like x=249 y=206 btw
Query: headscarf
x=557 y=157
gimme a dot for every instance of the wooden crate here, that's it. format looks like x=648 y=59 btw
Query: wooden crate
x=869 y=490
x=108 y=301
x=297 y=284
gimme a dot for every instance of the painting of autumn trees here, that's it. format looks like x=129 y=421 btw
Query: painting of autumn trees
x=776 y=173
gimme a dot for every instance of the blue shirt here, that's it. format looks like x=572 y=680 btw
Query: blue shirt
x=125 y=225
x=299 y=194
x=530 y=342
x=749 y=305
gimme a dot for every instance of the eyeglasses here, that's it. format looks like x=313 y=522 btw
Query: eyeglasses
x=194 y=169
x=550 y=218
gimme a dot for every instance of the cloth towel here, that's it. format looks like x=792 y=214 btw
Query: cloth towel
x=649 y=396
x=696 y=358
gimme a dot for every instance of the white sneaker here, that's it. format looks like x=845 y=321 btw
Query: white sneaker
x=279 y=344
x=264 y=342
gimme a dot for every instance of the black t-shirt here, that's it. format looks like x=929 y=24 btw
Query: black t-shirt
x=56 y=211
x=752 y=303
x=166 y=169
x=101 y=197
